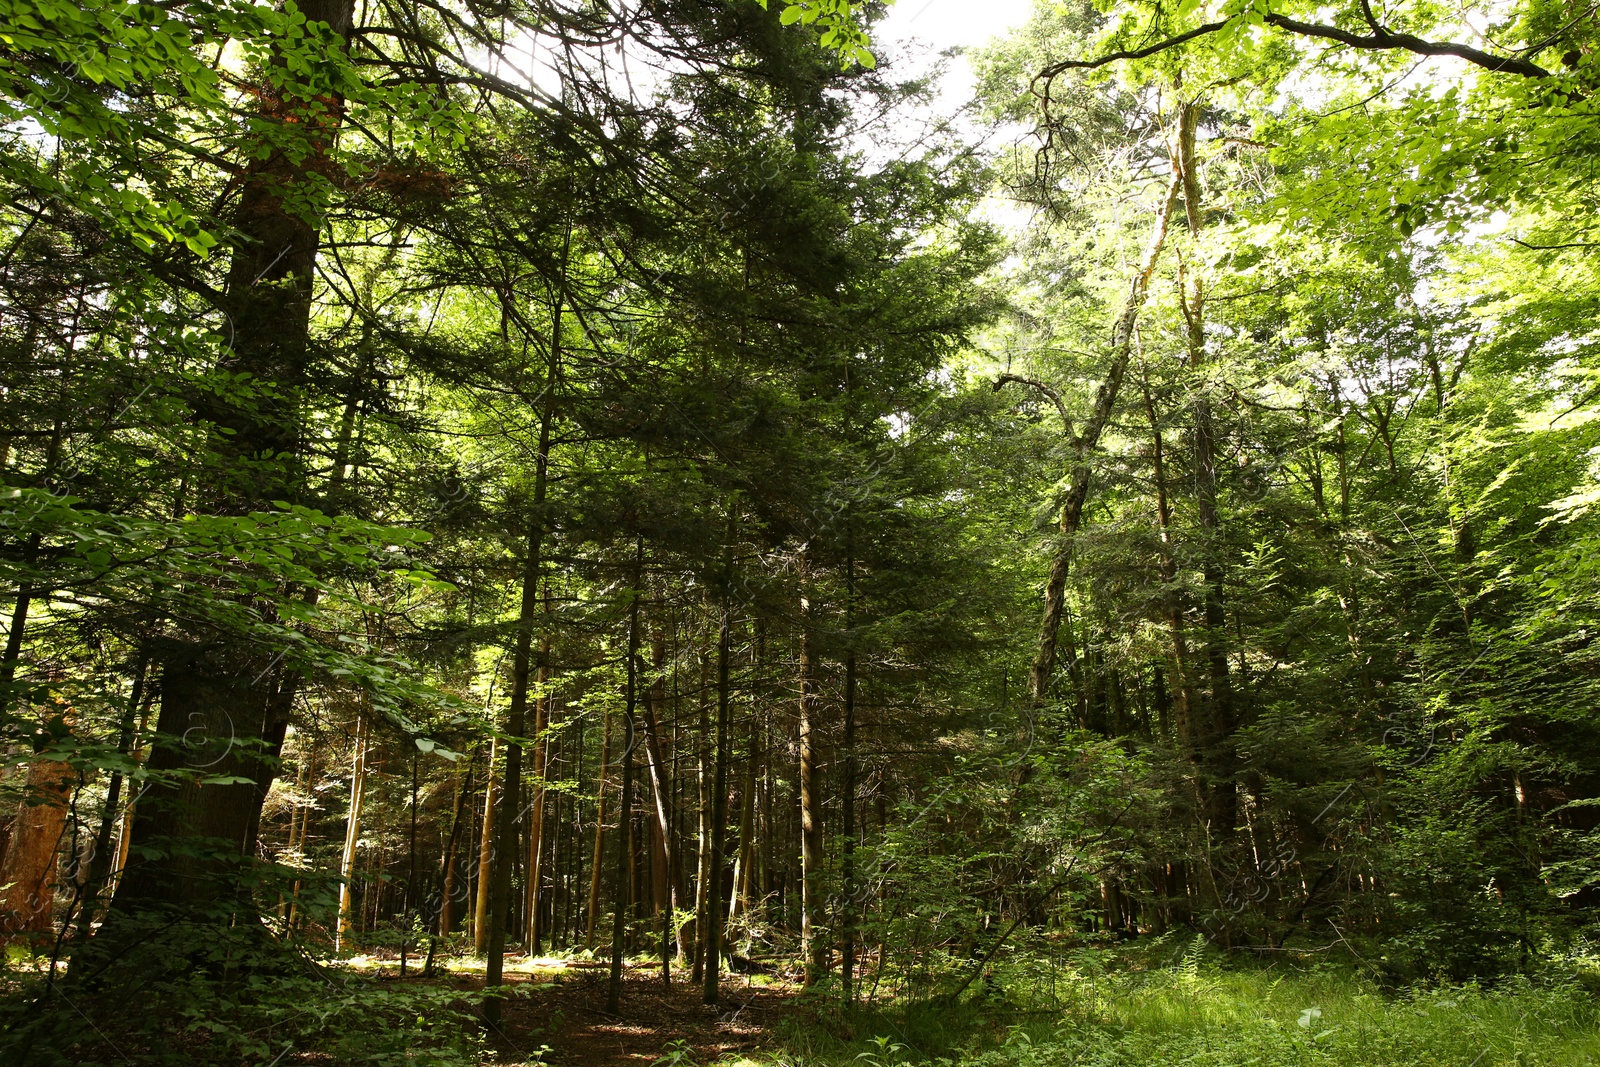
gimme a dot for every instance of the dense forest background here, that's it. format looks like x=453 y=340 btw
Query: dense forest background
x=621 y=482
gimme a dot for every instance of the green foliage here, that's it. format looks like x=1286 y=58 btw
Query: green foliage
x=324 y=1013
x=1205 y=1013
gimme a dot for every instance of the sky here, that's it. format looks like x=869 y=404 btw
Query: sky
x=945 y=23
x=941 y=24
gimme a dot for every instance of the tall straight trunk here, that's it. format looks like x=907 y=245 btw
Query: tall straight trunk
x=574 y=842
x=352 y=830
x=225 y=703
x=711 y=973
x=1085 y=443
x=620 y=892
x=101 y=856
x=536 y=835
x=702 y=884
x=450 y=858
x=744 y=859
x=597 y=862
x=302 y=780
x=769 y=824
x=660 y=784
x=813 y=946
x=1218 y=747
x=557 y=840
x=507 y=828
x=1183 y=697
x=447 y=862
x=486 y=839
x=302 y=837
x=847 y=828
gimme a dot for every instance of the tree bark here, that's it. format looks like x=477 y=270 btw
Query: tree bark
x=661 y=787
x=521 y=665
x=486 y=838
x=28 y=869
x=621 y=891
x=597 y=862
x=352 y=832
x=225 y=704
x=1218 y=753
x=813 y=945
x=1084 y=446
x=711 y=972
x=532 y=916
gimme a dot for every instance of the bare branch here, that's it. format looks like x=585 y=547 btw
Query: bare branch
x=1553 y=248
x=1055 y=398
x=1139 y=53
x=1379 y=40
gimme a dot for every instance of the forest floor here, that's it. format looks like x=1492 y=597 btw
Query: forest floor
x=558 y=1015
x=1203 y=1014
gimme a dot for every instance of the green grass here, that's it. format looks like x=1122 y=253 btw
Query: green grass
x=1205 y=1015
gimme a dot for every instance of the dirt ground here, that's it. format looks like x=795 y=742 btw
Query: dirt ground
x=565 y=1010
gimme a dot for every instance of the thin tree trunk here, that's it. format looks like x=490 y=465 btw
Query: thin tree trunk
x=1183 y=700
x=744 y=861
x=449 y=861
x=597 y=863
x=1218 y=750
x=521 y=668
x=847 y=830
x=655 y=702
x=621 y=890
x=712 y=971
x=352 y=831
x=813 y=946
x=486 y=838
x=536 y=837
x=101 y=858
x=1084 y=446
x=702 y=883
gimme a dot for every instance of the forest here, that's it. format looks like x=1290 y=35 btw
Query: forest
x=617 y=533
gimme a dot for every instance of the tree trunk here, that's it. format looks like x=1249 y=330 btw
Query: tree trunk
x=352 y=832
x=28 y=869
x=536 y=836
x=597 y=862
x=847 y=830
x=486 y=838
x=1218 y=747
x=712 y=970
x=226 y=704
x=621 y=894
x=661 y=787
x=813 y=945
x=702 y=882
x=521 y=667
x=450 y=859
x=1085 y=444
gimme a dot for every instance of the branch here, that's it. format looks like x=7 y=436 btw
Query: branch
x=1379 y=40
x=1161 y=46
x=1382 y=40
x=1546 y=248
x=1055 y=398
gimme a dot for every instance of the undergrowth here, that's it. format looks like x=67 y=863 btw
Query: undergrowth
x=1204 y=1012
x=327 y=1015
